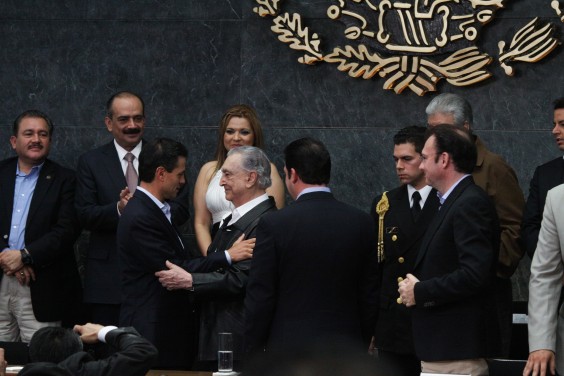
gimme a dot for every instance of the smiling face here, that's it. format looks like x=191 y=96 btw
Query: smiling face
x=407 y=165
x=32 y=142
x=238 y=133
x=127 y=122
x=236 y=181
x=558 y=130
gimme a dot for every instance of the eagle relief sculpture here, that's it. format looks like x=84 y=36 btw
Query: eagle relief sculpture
x=412 y=44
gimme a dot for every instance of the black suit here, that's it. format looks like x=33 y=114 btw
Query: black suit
x=402 y=238
x=454 y=317
x=133 y=356
x=50 y=233
x=546 y=177
x=222 y=292
x=100 y=179
x=146 y=239
x=313 y=276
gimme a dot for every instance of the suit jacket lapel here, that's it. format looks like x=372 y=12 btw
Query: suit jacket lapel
x=440 y=216
x=7 y=187
x=160 y=216
x=112 y=165
x=416 y=229
x=44 y=182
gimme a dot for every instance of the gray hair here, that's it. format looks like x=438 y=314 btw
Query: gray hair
x=254 y=159
x=454 y=104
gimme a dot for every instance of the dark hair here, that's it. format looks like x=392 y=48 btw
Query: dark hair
x=242 y=111
x=122 y=94
x=310 y=159
x=411 y=135
x=449 y=103
x=32 y=114
x=53 y=344
x=558 y=103
x=161 y=152
x=456 y=142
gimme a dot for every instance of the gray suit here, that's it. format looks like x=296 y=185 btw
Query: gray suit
x=546 y=321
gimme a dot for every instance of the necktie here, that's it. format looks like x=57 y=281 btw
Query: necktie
x=416 y=208
x=130 y=174
x=226 y=222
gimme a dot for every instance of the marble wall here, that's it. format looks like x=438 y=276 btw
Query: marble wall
x=191 y=59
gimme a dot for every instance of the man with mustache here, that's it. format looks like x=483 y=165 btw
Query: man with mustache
x=103 y=191
x=39 y=285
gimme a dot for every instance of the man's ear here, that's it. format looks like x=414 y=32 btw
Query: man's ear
x=252 y=178
x=293 y=175
x=159 y=173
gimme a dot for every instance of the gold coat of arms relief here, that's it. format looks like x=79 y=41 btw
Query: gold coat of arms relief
x=413 y=44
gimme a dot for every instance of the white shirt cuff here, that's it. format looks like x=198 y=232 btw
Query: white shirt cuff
x=102 y=333
x=228 y=258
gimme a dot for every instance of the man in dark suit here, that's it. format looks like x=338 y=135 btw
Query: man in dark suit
x=496 y=177
x=55 y=351
x=146 y=239
x=546 y=177
x=313 y=274
x=245 y=177
x=102 y=193
x=40 y=284
x=454 y=319
x=406 y=211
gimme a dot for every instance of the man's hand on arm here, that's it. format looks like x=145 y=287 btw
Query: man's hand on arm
x=540 y=363
x=407 y=290
x=175 y=277
x=242 y=249
x=88 y=332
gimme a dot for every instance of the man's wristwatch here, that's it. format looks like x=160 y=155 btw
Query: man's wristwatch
x=26 y=257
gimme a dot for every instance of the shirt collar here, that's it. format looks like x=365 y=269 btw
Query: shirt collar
x=247 y=207
x=443 y=198
x=164 y=206
x=122 y=152
x=424 y=192
x=34 y=170
x=314 y=189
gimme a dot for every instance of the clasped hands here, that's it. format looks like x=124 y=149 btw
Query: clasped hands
x=11 y=264
x=406 y=290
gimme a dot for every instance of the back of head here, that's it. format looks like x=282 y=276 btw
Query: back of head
x=456 y=142
x=53 y=344
x=161 y=152
x=254 y=159
x=411 y=135
x=454 y=104
x=310 y=159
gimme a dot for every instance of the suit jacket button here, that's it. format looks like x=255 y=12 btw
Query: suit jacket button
x=394 y=238
x=401 y=260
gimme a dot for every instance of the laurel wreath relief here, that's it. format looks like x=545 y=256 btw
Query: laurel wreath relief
x=419 y=73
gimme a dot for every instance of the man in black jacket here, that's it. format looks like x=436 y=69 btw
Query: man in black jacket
x=246 y=176
x=58 y=351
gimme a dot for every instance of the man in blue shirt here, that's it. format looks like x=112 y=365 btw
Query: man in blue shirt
x=39 y=284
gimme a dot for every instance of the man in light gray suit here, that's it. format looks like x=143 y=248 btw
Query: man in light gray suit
x=546 y=321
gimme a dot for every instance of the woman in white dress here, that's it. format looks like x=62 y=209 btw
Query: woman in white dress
x=239 y=126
